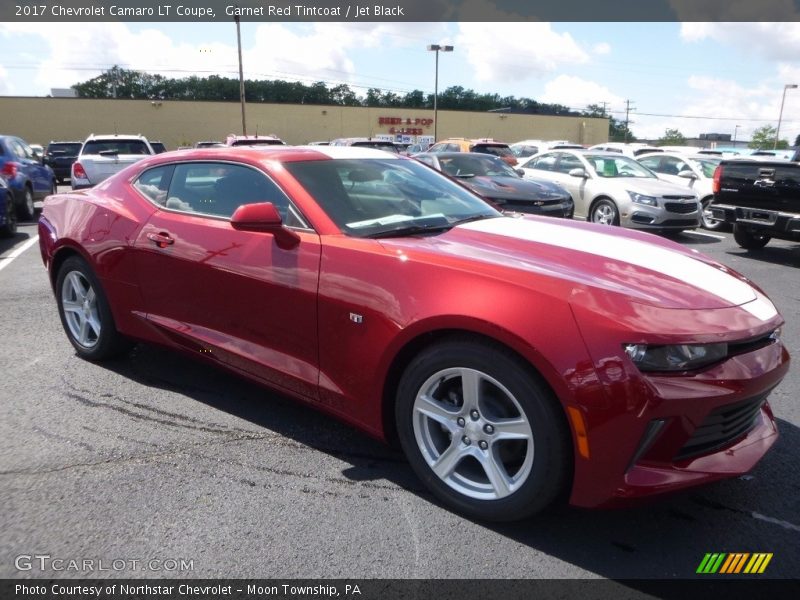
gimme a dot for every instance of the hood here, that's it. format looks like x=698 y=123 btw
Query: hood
x=515 y=188
x=653 y=187
x=645 y=268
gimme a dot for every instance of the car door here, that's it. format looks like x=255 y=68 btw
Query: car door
x=234 y=296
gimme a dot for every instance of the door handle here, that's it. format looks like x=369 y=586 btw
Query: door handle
x=162 y=240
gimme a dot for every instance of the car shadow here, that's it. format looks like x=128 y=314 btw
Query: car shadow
x=665 y=538
x=690 y=238
x=787 y=256
x=7 y=244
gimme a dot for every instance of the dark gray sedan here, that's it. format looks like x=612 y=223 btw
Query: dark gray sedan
x=490 y=177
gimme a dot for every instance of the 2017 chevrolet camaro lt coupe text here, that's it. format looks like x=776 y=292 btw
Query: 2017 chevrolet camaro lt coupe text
x=516 y=360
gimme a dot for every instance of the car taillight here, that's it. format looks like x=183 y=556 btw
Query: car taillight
x=715 y=186
x=78 y=171
x=10 y=170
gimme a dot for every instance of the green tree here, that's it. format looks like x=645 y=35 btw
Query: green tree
x=671 y=137
x=797 y=140
x=764 y=137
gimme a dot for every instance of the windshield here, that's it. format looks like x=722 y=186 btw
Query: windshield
x=469 y=165
x=369 y=197
x=617 y=166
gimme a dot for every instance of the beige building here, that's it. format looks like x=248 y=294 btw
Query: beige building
x=179 y=123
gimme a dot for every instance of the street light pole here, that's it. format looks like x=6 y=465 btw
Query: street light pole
x=735 y=130
x=437 y=48
x=788 y=86
x=241 y=73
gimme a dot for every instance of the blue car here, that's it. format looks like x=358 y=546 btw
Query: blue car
x=26 y=175
x=8 y=213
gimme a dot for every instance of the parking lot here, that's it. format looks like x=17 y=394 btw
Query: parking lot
x=155 y=457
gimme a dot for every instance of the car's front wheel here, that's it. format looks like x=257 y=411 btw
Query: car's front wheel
x=85 y=312
x=604 y=212
x=709 y=222
x=482 y=431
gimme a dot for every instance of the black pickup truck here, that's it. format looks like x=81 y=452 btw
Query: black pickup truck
x=760 y=198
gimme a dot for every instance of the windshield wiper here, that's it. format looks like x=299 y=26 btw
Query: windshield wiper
x=411 y=230
x=471 y=219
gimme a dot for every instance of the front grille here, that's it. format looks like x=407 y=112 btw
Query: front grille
x=677 y=197
x=722 y=427
x=679 y=208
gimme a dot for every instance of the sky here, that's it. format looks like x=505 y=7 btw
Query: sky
x=693 y=77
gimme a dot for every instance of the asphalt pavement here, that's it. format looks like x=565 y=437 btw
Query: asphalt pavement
x=174 y=469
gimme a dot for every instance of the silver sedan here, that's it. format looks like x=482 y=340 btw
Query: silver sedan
x=616 y=190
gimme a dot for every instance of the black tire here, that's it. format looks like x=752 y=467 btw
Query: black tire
x=83 y=307
x=9 y=229
x=708 y=221
x=26 y=210
x=604 y=211
x=510 y=400
x=749 y=240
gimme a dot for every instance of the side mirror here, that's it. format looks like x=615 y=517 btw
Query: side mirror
x=687 y=174
x=263 y=216
x=520 y=172
x=578 y=172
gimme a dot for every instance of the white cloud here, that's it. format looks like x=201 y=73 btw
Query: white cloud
x=577 y=93
x=513 y=52
x=602 y=48
x=775 y=41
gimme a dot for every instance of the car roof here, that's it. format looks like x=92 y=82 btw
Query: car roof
x=280 y=153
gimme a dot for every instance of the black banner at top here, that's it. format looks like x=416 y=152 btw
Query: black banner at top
x=398 y=10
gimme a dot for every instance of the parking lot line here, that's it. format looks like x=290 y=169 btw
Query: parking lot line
x=704 y=234
x=6 y=260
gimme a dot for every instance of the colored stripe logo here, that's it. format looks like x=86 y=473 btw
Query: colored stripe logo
x=734 y=563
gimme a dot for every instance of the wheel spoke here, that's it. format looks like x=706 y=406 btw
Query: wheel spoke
x=94 y=324
x=83 y=334
x=470 y=388
x=436 y=410
x=496 y=472
x=448 y=460
x=71 y=306
x=511 y=429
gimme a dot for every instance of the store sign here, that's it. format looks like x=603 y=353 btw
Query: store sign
x=407 y=126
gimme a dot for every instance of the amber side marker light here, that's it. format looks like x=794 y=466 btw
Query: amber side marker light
x=580 y=430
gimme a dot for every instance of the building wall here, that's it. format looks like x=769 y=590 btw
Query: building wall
x=39 y=120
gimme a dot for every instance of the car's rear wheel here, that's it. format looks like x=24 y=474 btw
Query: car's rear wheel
x=26 y=209
x=749 y=240
x=605 y=212
x=85 y=312
x=9 y=228
x=482 y=431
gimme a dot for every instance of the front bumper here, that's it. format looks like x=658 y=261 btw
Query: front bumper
x=562 y=208
x=642 y=216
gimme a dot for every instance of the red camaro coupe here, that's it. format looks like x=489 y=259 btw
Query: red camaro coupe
x=515 y=359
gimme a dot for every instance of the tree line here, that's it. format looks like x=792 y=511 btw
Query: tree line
x=137 y=85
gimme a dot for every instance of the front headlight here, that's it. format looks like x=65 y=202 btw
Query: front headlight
x=642 y=199
x=679 y=357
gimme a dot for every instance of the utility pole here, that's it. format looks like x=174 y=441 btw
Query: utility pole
x=605 y=104
x=628 y=108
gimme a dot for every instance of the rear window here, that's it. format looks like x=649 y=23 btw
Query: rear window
x=495 y=149
x=115 y=147
x=257 y=143
x=65 y=149
x=388 y=146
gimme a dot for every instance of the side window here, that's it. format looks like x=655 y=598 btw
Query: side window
x=437 y=148
x=426 y=159
x=652 y=163
x=568 y=162
x=154 y=183
x=18 y=149
x=543 y=163
x=672 y=166
x=220 y=188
